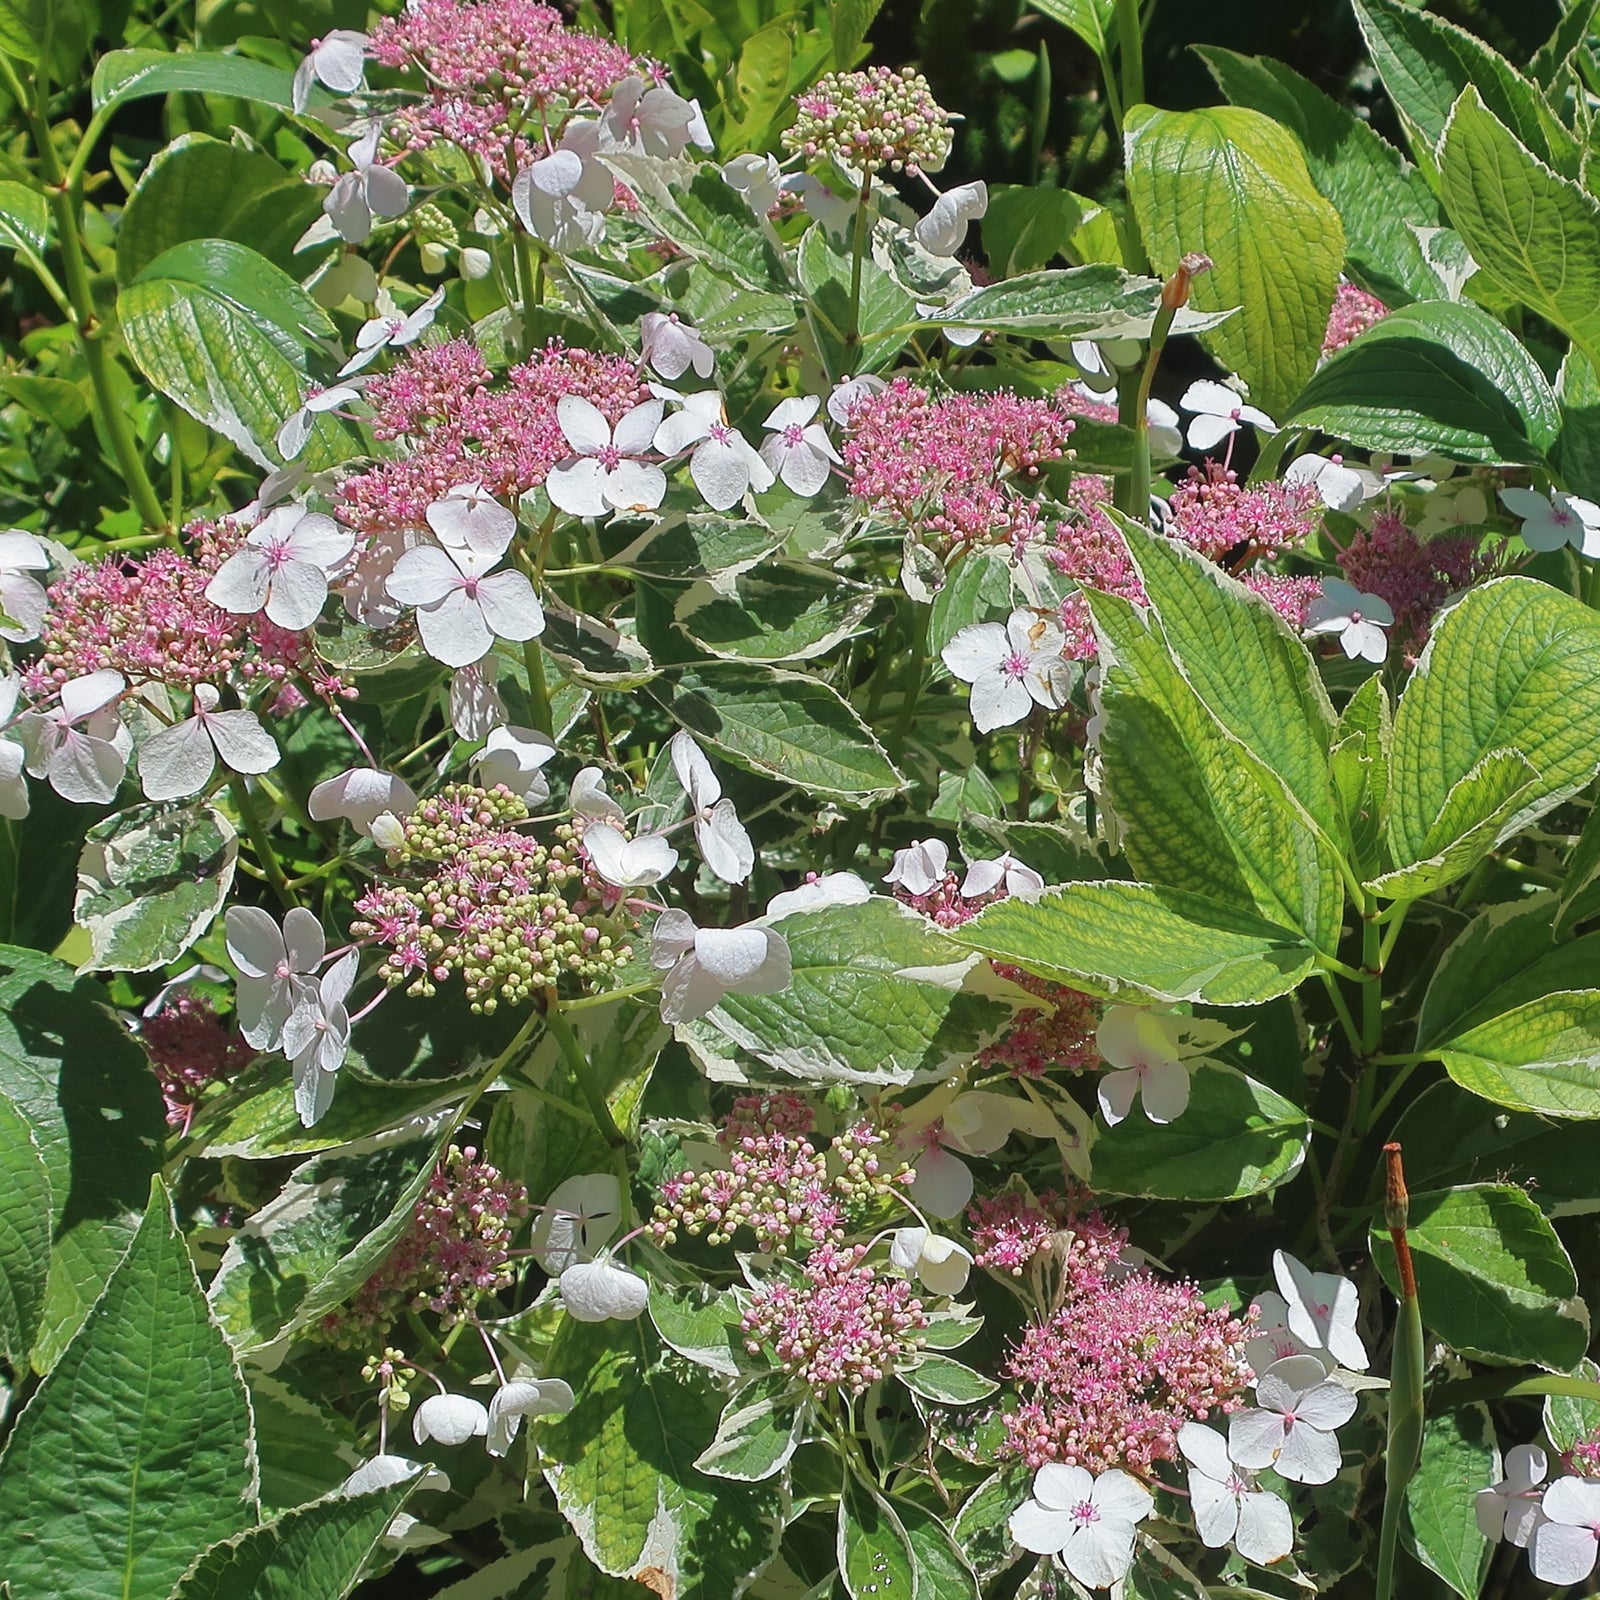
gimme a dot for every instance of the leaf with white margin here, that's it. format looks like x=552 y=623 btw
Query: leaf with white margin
x=760 y=1429
x=621 y=1466
x=878 y=995
x=151 y=881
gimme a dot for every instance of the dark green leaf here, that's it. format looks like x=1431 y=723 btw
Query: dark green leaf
x=26 y=1210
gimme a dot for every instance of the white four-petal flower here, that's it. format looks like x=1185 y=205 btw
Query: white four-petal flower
x=1511 y=1509
x=1359 y=619
x=724 y=844
x=605 y=473
x=601 y=1291
x=470 y=518
x=671 y=347
x=1020 y=882
x=919 y=869
x=1321 y=1310
x=523 y=1397
x=799 y=452
x=390 y=330
x=1012 y=667
x=360 y=796
x=941 y=1265
x=579 y=1219
x=944 y=230
x=23 y=599
x=179 y=760
x=282 y=567
x=1291 y=1428
x=463 y=604
x=337 y=61
x=1219 y=411
x=1086 y=1521
x=1227 y=1505
x=13 y=756
x=514 y=757
x=704 y=964
x=80 y=744
x=1144 y=1051
x=1566 y=1541
x=371 y=190
x=628 y=863
x=1556 y=519
x=450 y=1419
x=723 y=465
x=316 y=1038
x=275 y=967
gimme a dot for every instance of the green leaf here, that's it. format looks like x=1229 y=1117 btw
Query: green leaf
x=1027 y=228
x=201 y=188
x=1441 y=376
x=1457 y=1458
x=592 y=652
x=781 y=611
x=948 y=1382
x=701 y=1324
x=786 y=726
x=1094 y=21
x=1233 y=184
x=1543 y=1056
x=229 y=337
x=1515 y=665
x=850 y=20
x=151 y=880
x=51 y=33
x=980 y=1527
x=24 y=219
x=942 y=1569
x=1204 y=812
x=301 y=1254
x=1425 y=63
x=760 y=1429
x=86 y=1092
x=26 y=1209
x=1379 y=198
x=134 y=1453
x=305 y=1448
x=886 y=316
x=123 y=75
x=1531 y=231
x=1237 y=1138
x=874 y=1554
x=1359 y=768
x=621 y=1466
x=1164 y=943
x=1578 y=388
x=316 y=1550
x=1494 y=1281
x=877 y=997
x=53 y=400
x=1567 y=1418
x=1091 y=302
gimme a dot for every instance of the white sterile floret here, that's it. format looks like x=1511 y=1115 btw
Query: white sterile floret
x=649 y=119
x=601 y=1291
x=758 y=179
x=1511 y=1509
x=514 y=757
x=14 y=801
x=1554 y=520
x=605 y=472
x=704 y=964
x=369 y=192
x=391 y=330
x=976 y=1122
x=476 y=708
x=80 y=745
x=1359 y=619
x=1451 y=506
x=291 y=438
x=723 y=465
x=360 y=796
x=1270 y=1336
x=672 y=347
x=523 y=1397
x=941 y=1265
x=588 y=797
x=449 y=1419
x=1012 y=667
x=576 y=1223
x=1020 y=882
x=1321 y=1310
x=724 y=845
x=563 y=197
x=1166 y=432
x=316 y=1038
x=944 y=230
x=282 y=567
x=1339 y=487
x=462 y=604
x=1085 y=1521
x=1227 y=1505
x=1566 y=1541
x=274 y=965
x=336 y=61
x=1219 y=411
x=1291 y=1427
x=180 y=760
x=849 y=392
x=470 y=518
x=628 y=863
x=799 y=451
x=1145 y=1052
x=830 y=889
x=23 y=599
x=920 y=868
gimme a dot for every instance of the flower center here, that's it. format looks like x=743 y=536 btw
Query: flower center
x=1015 y=666
x=1084 y=1514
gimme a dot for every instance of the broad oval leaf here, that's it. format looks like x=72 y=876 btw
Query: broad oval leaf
x=26 y=1209
x=782 y=611
x=1441 y=377
x=123 y=75
x=875 y=1556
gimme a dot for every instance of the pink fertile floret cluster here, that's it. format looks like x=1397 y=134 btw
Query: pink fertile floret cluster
x=952 y=470
x=1413 y=574
x=1122 y=1363
x=843 y=1328
x=1354 y=311
x=489 y=65
x=1060 y=1034
x=458 y=425
x=455 y=1249
x=1009 y=1229
x=190 y=1048
x=777 y=1183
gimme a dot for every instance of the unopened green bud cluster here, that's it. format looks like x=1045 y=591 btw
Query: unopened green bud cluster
x=507 y=913
x=870 y=120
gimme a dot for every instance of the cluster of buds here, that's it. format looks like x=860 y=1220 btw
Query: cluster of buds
x=1058 y=1035
x=475 y=898
x=393 y=1375
x=1120 y=1365
x=190 y=1048
x=455 y=1250
x=842 y=1327
x=866 y=121
x=1216 y=514
x=1009 y=1229
x=952 y=470
x=1353 y=312
x=777 y=1183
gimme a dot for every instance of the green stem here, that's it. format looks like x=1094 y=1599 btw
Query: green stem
x=1405 y=1379
x=1130 y=55
x=858 y=253
x=65 y=199
x=538 y=694
x=1372 y=984
x=256 y=831
x=605 y=1124
x=1342 y=1011
x=1502 y=1386
x=1397 y=1083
